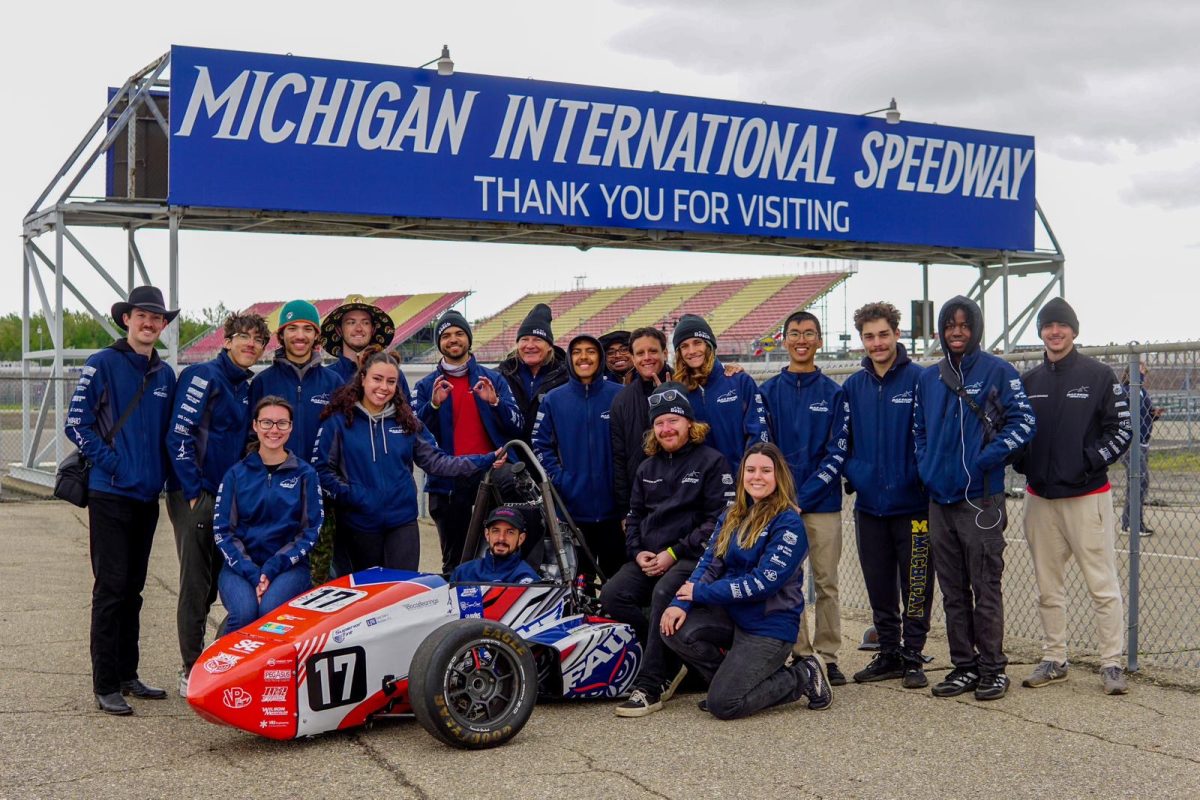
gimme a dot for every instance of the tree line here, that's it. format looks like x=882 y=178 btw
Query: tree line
x=82 y=331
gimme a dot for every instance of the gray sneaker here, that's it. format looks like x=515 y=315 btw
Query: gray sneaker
x=1114 y=680
x=183 y=683
x=1046 y=673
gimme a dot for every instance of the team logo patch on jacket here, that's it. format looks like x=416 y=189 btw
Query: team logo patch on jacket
x=1080 y=393
x=691 y=477
x=729 y=397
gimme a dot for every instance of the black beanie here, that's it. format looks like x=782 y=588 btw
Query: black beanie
x=1058 y=310
x=537 y=323
x=678 y=404
x=451 y=319
x=691 y=326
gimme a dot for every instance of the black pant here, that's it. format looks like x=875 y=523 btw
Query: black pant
x=121 y=532
x=897 y=566
x=606 y=541
x=394 y=548
x=969 y=558
x=200 y=563
x=623 y=598
x=452 y=515
x=745 y=673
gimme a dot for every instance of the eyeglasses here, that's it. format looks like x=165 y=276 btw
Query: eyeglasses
x=281 y=424
x=665 y=396
x=808 y=336
x=243 y=337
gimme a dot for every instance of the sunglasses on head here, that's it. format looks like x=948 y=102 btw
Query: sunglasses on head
x=666 y=396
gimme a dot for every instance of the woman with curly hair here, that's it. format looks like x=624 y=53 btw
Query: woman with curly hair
x=737 y=616
x=365 y=450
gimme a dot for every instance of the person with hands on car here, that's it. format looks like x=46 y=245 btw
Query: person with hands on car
x=364 y=453
x=266 y=520
x=504 y=530
x=678 y=493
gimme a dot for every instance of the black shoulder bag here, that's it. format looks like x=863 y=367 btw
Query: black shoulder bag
x=71 y=480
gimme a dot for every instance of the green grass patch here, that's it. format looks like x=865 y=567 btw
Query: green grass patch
x=1174 y=461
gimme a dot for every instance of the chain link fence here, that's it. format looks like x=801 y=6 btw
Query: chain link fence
x=1162 y=604
x=1160 y=570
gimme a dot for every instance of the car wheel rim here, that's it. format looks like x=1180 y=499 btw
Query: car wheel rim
x=482 y=683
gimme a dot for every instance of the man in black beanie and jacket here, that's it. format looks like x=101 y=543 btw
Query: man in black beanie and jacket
x=469 y=409
x=1083 y=427
x=535 y=367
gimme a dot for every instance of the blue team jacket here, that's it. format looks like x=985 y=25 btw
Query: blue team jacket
x=307 y=388
x=502 y=423
x=760 y=587
x=489 y=569
x=948 y=435
x=366 y=467
x=264 y=523
x=734 y=409
x=135 y=465
x=212 y=420
x=572 y=439
x=809 y=418
x=882 y=464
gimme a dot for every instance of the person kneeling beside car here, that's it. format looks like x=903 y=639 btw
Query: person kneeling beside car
x=503 y=562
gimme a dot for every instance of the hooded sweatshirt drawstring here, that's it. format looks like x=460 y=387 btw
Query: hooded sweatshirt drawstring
x=374 y=420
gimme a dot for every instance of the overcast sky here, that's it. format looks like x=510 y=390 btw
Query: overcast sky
x=1108 y=90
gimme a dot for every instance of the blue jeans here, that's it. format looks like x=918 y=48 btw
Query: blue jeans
x=238 y=597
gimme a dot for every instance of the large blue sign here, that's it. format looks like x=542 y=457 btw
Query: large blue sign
x=297 y=134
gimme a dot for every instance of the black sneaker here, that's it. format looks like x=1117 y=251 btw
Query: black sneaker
x=883 y=667
x=992 y=686
x=956 y=682
x=914 y=677
x=639 y=704
x=703 y=705
x=820 y=696
x=836 y=678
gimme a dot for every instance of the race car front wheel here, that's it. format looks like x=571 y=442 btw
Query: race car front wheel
x=473 y=683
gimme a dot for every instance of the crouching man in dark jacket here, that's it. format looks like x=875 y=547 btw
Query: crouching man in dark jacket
x=502 y=563
x=678 y=493
x=961 y=462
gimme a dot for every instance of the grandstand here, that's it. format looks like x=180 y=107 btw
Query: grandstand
x=740 y=311
x=411 y=313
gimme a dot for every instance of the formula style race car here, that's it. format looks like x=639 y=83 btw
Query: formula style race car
x=467 y=660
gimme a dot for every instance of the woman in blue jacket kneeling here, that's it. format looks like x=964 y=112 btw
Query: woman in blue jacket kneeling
x=266 y=519
x=364 y=453
x=745 y=598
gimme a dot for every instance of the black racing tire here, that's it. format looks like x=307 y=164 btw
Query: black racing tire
x=473 y=683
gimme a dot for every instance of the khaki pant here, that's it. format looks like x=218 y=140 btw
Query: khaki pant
x=824 y=553
x=1083 y=527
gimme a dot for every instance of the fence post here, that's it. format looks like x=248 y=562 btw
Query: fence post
x=1134 y=499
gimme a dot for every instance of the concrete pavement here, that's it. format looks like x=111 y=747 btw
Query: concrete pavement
x=876 y=741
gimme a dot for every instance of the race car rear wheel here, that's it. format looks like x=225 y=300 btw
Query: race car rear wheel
x=473 y=683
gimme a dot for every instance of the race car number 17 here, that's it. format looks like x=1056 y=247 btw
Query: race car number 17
x=327 y=599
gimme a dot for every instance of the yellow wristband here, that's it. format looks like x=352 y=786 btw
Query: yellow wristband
x=671 y=550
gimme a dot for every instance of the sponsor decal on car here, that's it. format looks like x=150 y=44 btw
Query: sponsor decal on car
x=236 y=697
x=221 y=662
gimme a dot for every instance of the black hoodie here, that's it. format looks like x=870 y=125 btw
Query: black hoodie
x=520 y=379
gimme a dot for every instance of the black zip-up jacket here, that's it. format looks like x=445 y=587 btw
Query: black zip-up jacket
x=628 y=423
x=1083 y=426
x=676 y=500
x=550 y=377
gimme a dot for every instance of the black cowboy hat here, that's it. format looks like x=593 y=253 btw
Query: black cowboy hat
x=331 y=328
x=147 y=298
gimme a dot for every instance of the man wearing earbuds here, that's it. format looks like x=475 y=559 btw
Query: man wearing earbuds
x=971 y=417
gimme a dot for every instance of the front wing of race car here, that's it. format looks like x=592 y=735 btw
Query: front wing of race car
x=340 y=654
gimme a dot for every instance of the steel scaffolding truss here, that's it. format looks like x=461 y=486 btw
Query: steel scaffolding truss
x=45 y=281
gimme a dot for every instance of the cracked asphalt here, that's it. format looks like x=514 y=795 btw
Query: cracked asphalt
x=877 y=740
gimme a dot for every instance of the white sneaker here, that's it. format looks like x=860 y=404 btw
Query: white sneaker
x=183 y=683
x=669 y=690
